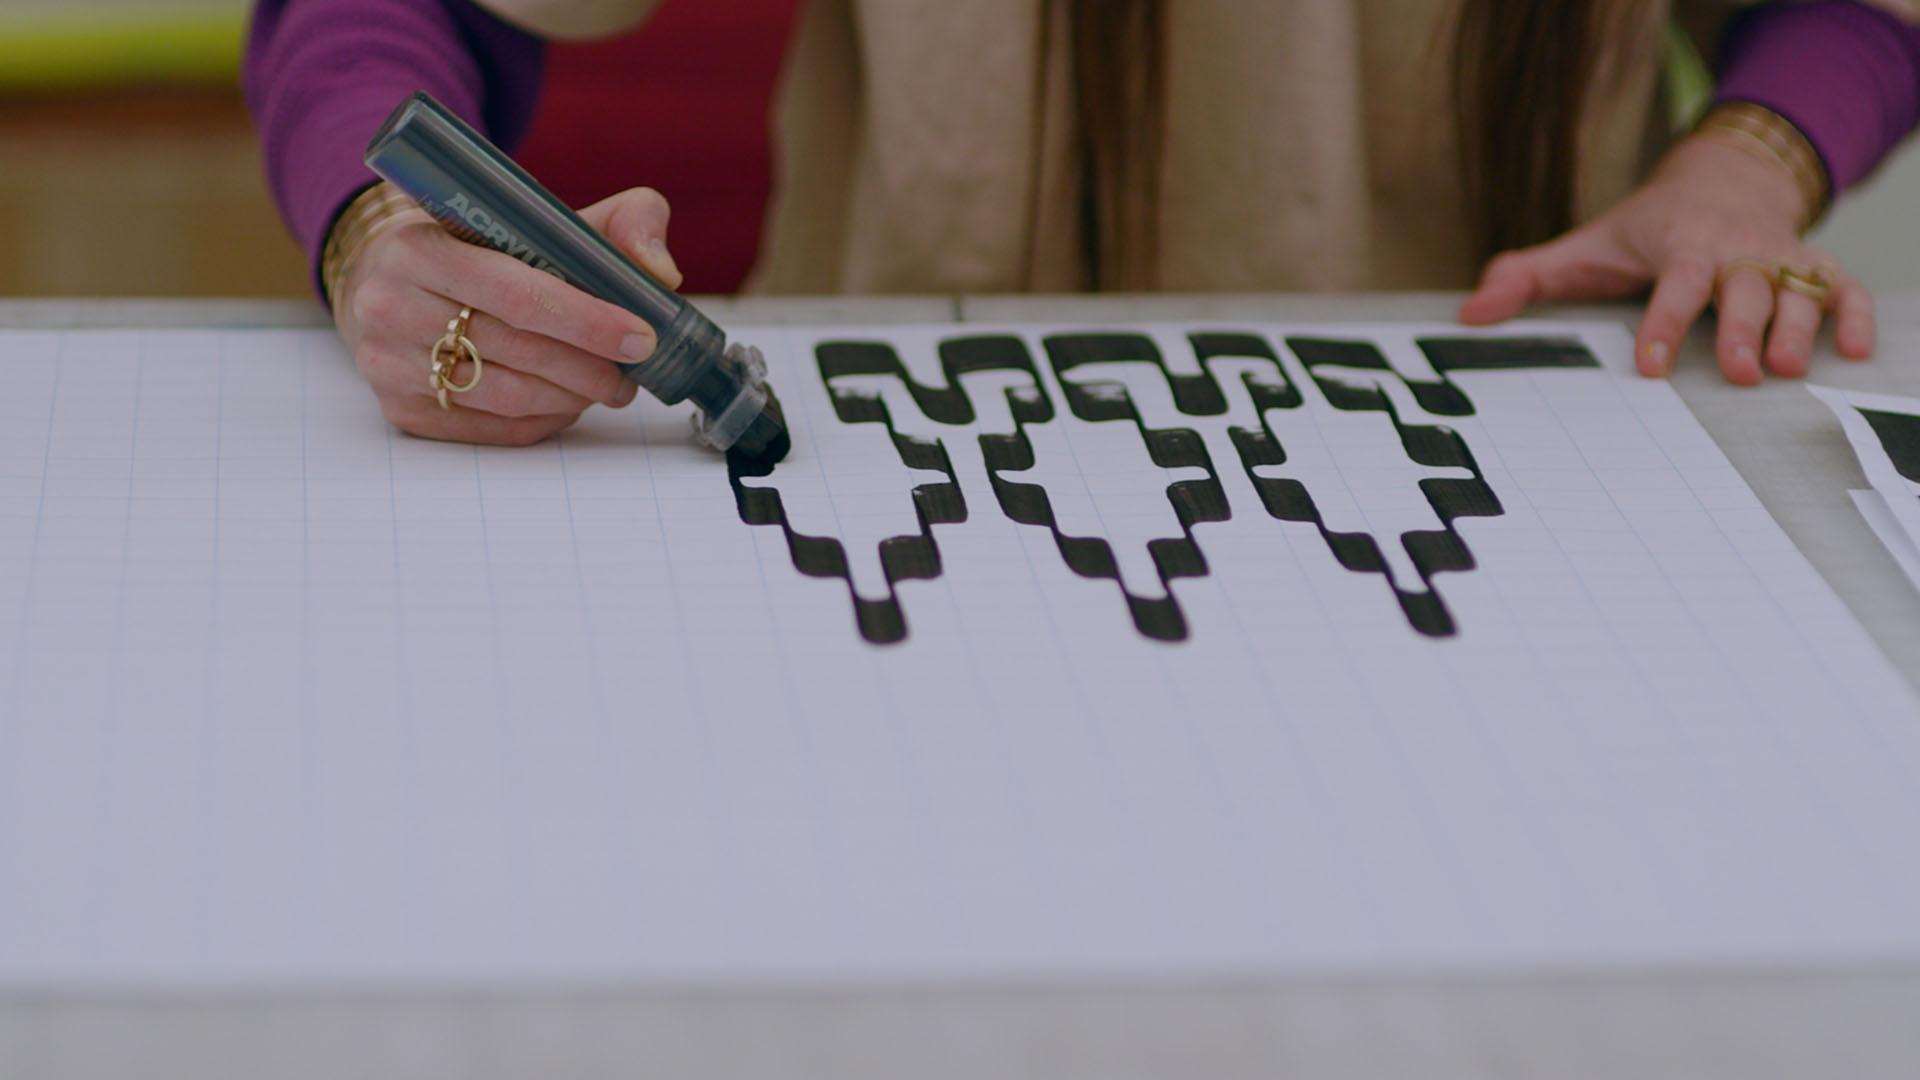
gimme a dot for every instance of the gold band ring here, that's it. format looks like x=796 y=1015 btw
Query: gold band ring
x=453 y=347
x=1812 y=281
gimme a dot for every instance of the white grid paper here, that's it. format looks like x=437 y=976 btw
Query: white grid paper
x=293 y=698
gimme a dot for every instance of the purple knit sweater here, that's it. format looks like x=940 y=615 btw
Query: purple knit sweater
x=321 y=75
x=1845 y=73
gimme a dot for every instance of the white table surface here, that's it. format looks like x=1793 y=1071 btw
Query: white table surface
x=1844 y=1022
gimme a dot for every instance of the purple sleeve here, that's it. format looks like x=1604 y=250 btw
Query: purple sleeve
x=1845 y=73
x=321 y=75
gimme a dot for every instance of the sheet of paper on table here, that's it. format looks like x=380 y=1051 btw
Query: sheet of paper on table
x=1873 y=507
x=1884 y=431
x=1176 y=651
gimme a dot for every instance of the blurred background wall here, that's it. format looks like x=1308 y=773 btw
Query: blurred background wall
x=127 y=166
x=1876 y=231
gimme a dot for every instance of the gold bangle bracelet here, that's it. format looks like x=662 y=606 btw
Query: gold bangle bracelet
x=1780 y=137
x=1810 y=177
x=354 y=226
x=1767 y=136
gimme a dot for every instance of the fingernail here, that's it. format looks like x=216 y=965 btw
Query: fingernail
x=1657 y=353
x=636 y=346
x=662 y=258
x=1746 y=355
x=624 y=396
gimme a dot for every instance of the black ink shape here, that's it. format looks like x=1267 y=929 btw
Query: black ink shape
x=942 y=404
x=918 y=556
x=1193 y=501
x=902 y=558
x=881 y=621
x=1265 y=395
x=837 y=359
x=1431 y=551
x=1158 y=618
x=1026 y=504
x=1195 y=395
x=1899 y=436
x=1505 y=353
x=1441 y=397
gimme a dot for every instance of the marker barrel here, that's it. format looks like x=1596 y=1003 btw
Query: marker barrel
x=480 y=195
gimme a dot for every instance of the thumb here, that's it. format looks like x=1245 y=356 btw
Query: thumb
x=636 y=221
x=1587 y=264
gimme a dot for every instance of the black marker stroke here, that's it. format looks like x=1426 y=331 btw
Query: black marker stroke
x=1432 y=551
x=1505 y=353
x=1193 y=501
x=1899 y=435
x=916 y=556
x=1440 y=397
x=1278 y=394
x=1331 y=365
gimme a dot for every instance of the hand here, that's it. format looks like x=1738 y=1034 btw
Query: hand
x=549 y=349
x=1706 y=206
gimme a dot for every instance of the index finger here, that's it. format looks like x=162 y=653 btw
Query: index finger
x=532 y=300
x=1679 y=298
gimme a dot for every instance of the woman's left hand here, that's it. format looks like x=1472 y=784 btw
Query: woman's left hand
x=1697 y=231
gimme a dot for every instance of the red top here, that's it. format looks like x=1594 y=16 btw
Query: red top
x=670 y=108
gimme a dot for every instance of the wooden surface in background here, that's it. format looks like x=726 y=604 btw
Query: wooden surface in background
x=139 y=193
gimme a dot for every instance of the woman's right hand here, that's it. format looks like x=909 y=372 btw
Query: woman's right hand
x=548 y=349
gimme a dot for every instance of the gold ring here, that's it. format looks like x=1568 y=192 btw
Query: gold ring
x=453 y=347
x=1765 y=268
x=1813 y=282
x=1810 y=280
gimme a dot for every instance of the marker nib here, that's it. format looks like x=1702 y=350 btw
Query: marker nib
x=765 y=442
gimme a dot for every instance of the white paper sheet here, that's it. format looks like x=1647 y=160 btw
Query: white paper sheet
x=1863 y=417
x=1879 y=516
x=291 y=698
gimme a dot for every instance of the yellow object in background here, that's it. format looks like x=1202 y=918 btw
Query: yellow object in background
x=98 y=94
x=1689 y=82
x=103 y=44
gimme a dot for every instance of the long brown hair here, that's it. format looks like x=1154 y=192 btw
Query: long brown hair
x=1119 y=83
x=1522 y=70
x=1521 y=73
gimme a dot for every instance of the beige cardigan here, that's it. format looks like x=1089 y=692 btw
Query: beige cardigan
x=923 y=144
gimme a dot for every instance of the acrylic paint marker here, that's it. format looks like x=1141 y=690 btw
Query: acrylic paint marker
x=479 y=194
